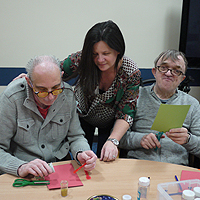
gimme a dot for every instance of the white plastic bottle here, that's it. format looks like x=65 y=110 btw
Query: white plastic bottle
x=126 y=197
x=197 y=191
x=188 y=195
x=143 y=188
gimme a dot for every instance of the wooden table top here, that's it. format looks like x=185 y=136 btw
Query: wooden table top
x=113 y=178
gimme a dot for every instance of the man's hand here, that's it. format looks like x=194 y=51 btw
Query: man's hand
x=150 y=141
x=178 y=135
x=36 y=167
x=89 y=158
x=109 y=151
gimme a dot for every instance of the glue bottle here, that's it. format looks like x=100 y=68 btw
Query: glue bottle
x=64 y=188
x=143 y=188
x=126 y=197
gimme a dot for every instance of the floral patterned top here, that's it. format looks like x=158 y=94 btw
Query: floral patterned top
x=118 y=102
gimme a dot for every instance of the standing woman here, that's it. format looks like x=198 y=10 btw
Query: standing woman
x=106 y=89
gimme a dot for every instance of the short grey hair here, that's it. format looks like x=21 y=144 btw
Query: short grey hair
x=40 y=59
x=173 y=55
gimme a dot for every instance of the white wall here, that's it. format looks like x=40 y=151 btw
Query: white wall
x=2 y=88
x=58 y=27
x=32 y=27
x=195 y=92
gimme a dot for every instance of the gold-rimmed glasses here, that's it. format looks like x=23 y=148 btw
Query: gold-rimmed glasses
x=44 y=94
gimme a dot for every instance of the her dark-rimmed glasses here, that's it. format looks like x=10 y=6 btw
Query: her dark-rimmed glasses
x=44 y=94
x=165 y=69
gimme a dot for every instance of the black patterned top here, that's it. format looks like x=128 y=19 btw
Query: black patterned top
x=118 y=102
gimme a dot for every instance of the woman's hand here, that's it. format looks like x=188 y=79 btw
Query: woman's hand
x=109 y=151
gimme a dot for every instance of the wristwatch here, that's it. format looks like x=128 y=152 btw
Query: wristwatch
x=188 y=138
x=114 y=141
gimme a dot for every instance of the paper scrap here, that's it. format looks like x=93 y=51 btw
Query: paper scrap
x=63 y=172
x=170 y=116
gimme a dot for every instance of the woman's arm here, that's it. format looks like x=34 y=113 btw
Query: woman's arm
x=126 y=110
x=110 y=151
x=70 y=64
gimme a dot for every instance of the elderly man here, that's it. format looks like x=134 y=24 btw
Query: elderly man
x=174 y=146
x=39 y=123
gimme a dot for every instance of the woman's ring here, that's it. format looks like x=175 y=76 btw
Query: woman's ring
x=114 y=156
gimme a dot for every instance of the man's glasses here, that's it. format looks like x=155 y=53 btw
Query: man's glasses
x=44 y=94
x=174 y=72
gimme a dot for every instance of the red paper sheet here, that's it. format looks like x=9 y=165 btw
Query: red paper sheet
x=188 y=175
x=63 y=172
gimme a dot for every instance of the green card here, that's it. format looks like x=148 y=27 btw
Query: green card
x=170 y=116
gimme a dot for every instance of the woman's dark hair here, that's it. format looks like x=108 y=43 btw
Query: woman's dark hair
x=89 y=73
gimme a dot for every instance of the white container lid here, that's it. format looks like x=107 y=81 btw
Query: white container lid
x=188 y=194
x=126 y=197
x=197 y=191
x=144 y=181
